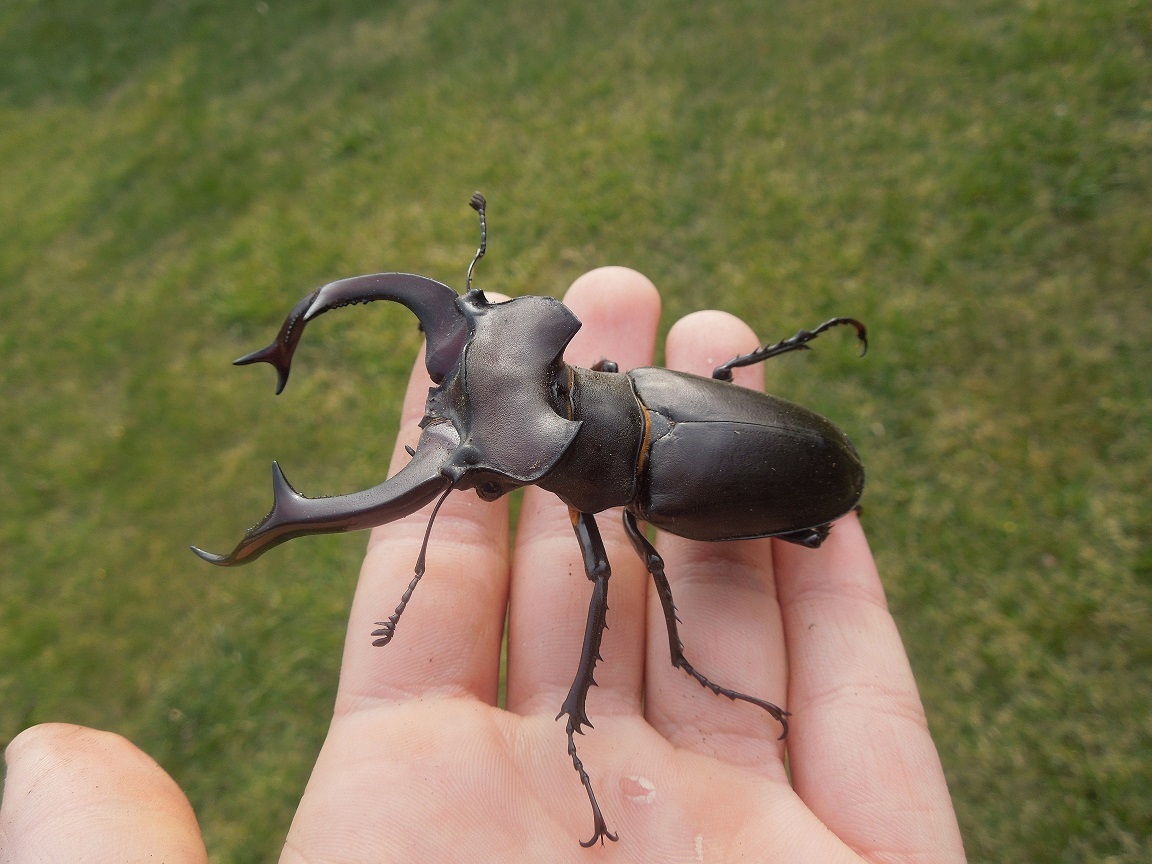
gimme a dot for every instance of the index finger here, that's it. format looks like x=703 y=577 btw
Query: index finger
x=456 y=613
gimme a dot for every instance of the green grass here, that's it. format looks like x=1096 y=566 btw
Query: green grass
x=973 y=179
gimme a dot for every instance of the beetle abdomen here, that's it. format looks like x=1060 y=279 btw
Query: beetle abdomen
x=726 y=463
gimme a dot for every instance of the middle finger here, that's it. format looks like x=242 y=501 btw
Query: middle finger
x=619 y=309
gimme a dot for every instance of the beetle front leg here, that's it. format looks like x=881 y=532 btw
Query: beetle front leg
x=597 y=568
x=655 y=565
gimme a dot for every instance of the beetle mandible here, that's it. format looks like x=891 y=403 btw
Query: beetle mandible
x=698 y=457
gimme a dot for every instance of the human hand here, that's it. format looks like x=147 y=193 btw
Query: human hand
x=420 y=765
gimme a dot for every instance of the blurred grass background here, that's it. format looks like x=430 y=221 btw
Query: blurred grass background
x=971 y=178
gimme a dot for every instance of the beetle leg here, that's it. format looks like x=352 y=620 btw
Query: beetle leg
x=388 y=628
x=809 y=537
x=605 y=365
x=799 y=342
x=655 y=565
x=575 y=705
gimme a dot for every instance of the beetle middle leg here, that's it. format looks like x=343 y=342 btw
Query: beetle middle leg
x=655 y=565
x=575 y=705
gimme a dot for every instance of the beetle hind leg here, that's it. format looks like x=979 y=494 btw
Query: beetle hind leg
x=809 y=537
x=655 y=565
x=799 y=342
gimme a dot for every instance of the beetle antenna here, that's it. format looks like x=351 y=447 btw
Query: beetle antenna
x=388 y=628
x=478 y=203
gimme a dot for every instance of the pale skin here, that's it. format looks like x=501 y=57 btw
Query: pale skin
x=420 y=764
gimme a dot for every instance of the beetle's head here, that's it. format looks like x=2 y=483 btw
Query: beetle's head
x=492 y=422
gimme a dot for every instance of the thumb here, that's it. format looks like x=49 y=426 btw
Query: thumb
x=72 y=793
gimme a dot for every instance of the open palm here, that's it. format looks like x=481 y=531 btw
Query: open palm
x=420 y=764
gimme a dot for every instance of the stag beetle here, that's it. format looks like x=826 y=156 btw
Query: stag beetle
x=695 y=456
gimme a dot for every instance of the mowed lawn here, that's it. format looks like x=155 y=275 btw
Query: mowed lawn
x=973 y=179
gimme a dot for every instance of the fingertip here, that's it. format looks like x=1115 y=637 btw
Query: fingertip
x=608 y=285
x=701 y=341
x=71 y=792
x=619 y=309
x=56 y=745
